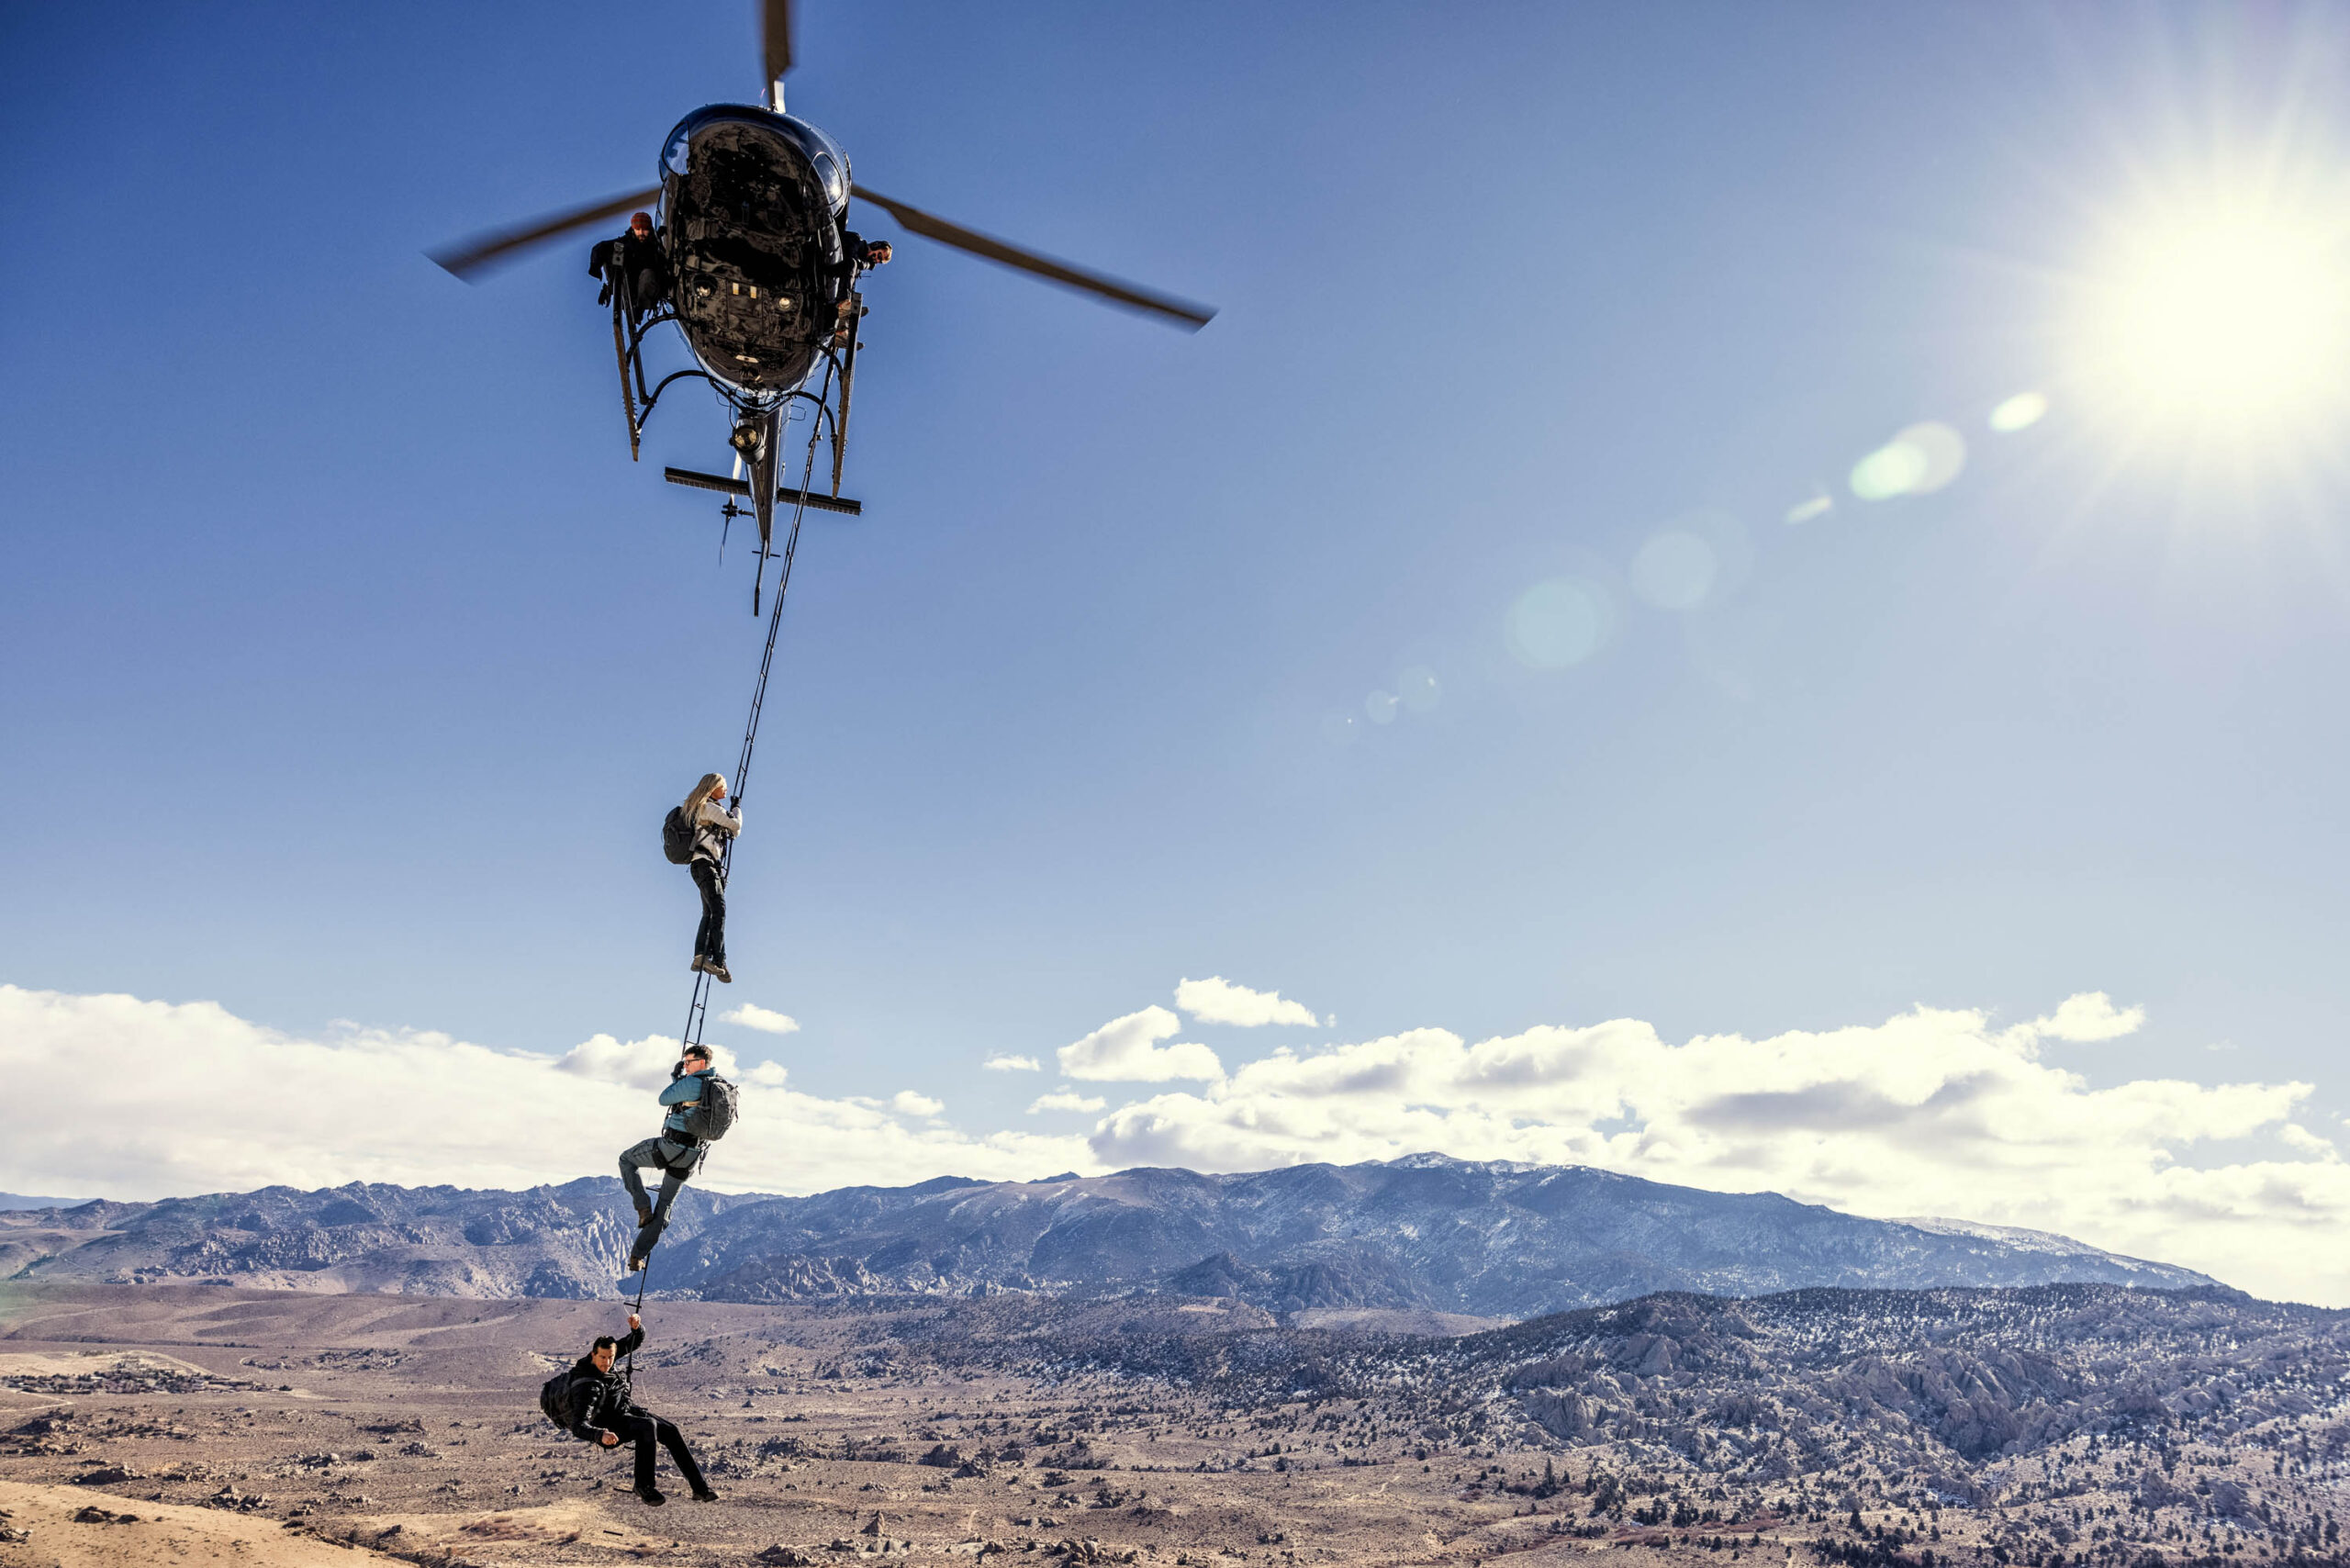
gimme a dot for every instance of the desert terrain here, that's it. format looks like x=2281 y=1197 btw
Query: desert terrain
x=188 y=1424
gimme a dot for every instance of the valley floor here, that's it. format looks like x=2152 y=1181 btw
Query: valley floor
x=274 y=1428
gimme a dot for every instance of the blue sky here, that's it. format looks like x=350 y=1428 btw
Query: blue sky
x=350 y=664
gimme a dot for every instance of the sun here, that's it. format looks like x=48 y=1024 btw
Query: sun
x=2231 y=318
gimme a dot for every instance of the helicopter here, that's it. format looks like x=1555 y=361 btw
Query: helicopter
x=764 y=282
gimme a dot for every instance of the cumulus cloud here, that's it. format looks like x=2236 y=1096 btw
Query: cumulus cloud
x=765 y=1019
x=642 y=1064
x=191 y=1098
x=1126 y=1050
x=906 y=1103
x=1066 y=1099
x=1216 y=1000
x=635 y=1064
x=1001 y=1062
x=1932 y=1112
x=2087 y=1017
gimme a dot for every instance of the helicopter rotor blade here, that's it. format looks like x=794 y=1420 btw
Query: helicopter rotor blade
x=476 y=252
x=1133 y=297
x=775 y=43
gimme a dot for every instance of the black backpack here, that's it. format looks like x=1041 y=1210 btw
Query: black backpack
x=677 y=837
x=709 y=1117
x=554 y=1398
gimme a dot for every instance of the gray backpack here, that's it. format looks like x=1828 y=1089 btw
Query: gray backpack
x=709 y=1117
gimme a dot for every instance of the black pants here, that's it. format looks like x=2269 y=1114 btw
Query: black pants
x=644 y=1428
x=710 y=942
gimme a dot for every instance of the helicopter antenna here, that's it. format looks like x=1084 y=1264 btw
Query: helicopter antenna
x=775 y=48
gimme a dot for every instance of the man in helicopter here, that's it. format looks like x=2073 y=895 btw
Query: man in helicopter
x=635 y=264
x=858 y=256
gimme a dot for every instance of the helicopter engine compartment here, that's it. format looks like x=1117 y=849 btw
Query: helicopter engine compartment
x=754 y=242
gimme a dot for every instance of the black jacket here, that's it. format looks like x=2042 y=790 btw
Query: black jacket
x=627 y=256
x=598 y=1398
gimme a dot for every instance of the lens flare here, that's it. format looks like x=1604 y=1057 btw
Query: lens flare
x=1917 y=461
x=1560 y=623
x=2019 y=412
x=1674 y=570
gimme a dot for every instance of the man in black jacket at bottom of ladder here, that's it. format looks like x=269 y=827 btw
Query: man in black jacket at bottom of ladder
x=604 y=1412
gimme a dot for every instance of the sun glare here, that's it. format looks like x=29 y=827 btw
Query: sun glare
x=2222 y=321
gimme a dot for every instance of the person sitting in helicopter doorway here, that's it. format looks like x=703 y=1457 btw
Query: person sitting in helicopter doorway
x=858 y=256
x=712 y=826
x=604 y=1411
x=676 y=1152
x=633 y=262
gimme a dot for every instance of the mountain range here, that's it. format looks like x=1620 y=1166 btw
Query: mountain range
x=1425 y=1232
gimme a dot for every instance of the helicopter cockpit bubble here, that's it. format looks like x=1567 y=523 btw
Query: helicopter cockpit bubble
x=825 y=155
x=832 y=163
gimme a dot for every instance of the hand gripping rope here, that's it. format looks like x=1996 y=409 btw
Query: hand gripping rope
x=699 y=1007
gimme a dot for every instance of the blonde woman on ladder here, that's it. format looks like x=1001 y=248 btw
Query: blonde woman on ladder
x=714 y=828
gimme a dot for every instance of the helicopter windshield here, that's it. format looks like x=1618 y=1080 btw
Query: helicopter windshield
x=822 y=152
x=832 y=163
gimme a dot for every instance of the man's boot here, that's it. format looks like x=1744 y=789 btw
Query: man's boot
x=643 y=1212
x=652 y=1495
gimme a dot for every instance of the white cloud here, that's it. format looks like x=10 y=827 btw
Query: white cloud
x=1001 y=1062
x=906 y=1103
x=1125 y=1050
x=644 y=1064
x=2294 y=1135
x=639 y=1064
x=190 y=1098
x=2089 y=1016
x=764 y=1019
x=1066 y=1099
x=1216 y=1000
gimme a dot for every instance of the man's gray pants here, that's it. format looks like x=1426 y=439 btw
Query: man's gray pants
x=677 y=1163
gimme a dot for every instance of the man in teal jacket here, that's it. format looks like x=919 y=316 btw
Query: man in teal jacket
x=677 y=1151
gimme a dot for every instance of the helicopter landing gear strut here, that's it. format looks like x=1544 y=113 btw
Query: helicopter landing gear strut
x=628 y=394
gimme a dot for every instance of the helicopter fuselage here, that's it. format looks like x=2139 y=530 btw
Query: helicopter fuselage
x=752 y=203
